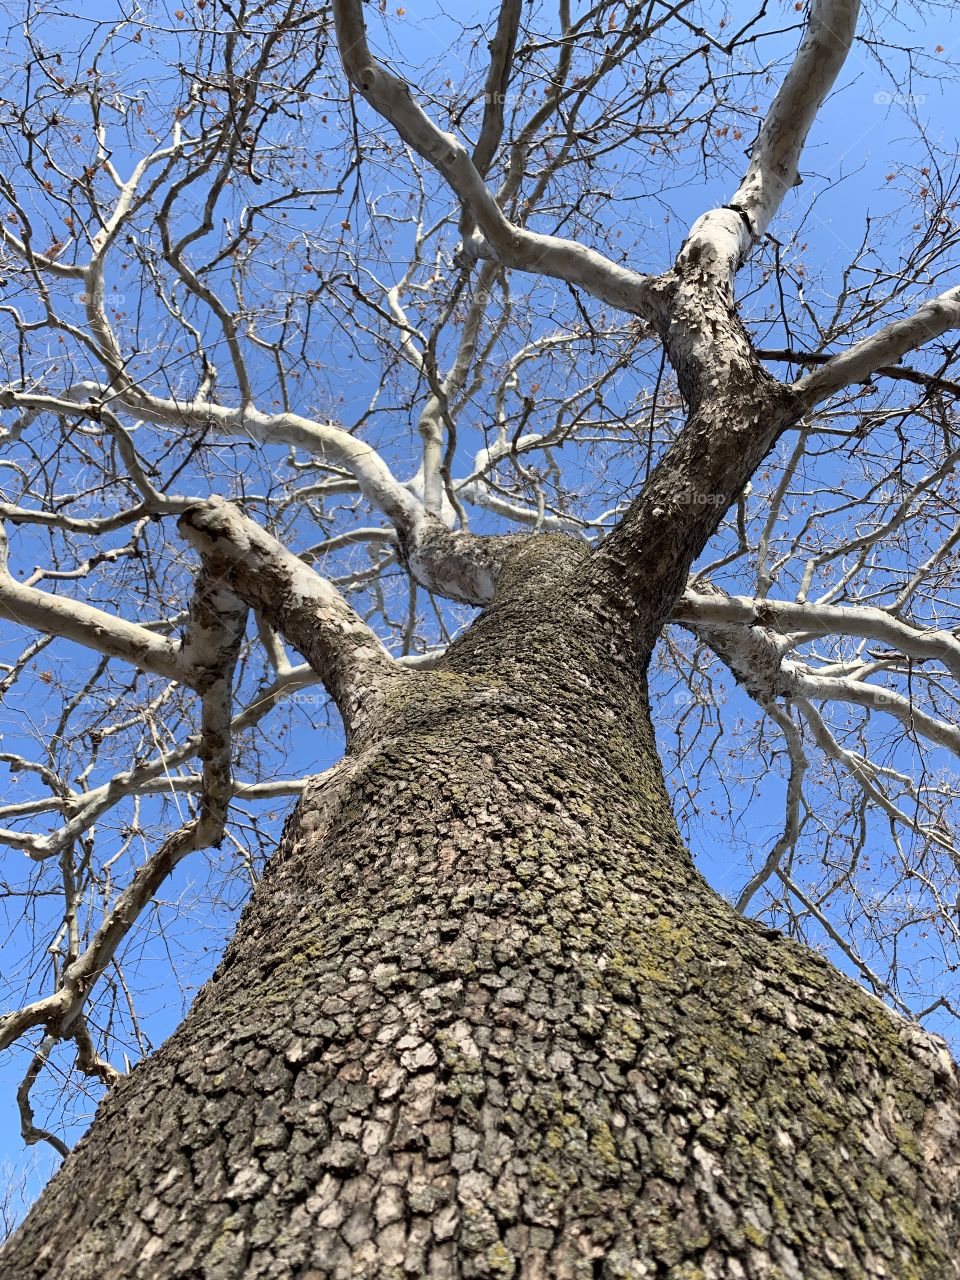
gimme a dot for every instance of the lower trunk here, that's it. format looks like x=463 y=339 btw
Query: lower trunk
x=483 y=1018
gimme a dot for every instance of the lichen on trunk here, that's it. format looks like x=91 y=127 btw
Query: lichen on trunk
x=483 y=1018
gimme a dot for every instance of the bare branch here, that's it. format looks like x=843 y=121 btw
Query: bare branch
x=93 y=628
x=512 y=246
x=814 y=620
x=502 y=48
x=882 y=348
x=305 y=608
x=58 y=1012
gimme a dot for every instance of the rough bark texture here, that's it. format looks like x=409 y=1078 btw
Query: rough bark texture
x=483 y=1018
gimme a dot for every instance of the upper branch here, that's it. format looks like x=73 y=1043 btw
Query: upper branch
x=217 y=626
x=736 y=409
x=302 y=606
x=884 y=347
x=454 y=564
x=720 y=240
x=502 y=48
x=512 y=245
x=810 y=620
x=772 y=170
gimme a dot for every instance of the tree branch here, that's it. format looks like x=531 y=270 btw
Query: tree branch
x=774 y=159
x=502 y=48
x=58 y=1011
x=884 y=347
x=304 y=607
x=805 y=620
x=91 y=627
x=458 y=565
x=736 y=410
x=898 y=372
x=513 y=246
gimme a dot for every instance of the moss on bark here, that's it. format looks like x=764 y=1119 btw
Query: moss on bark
x=483 y=1018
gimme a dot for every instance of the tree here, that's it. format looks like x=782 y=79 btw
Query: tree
x=482 y=1015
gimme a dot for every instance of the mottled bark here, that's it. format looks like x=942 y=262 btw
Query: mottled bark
x=484 y=1018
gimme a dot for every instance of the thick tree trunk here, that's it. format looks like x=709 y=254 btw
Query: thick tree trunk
x=483 y=1018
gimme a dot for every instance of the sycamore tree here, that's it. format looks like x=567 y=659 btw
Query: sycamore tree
x=482 y=384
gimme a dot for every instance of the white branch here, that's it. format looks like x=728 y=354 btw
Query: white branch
x=457 y=565
x=721 y=239
x=817 y=620
x=304 y=607
x=791 y=825
x=886 y=346
x=91 y=627
x=60 y=1010
x=772 y=171
x=820 y=688
x=513 y=246
x=153 y=777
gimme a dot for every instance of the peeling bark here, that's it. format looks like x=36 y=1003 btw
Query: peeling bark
x=483 y=1018
x=349 y=658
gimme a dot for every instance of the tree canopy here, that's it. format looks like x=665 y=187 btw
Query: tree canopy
x=357 y=291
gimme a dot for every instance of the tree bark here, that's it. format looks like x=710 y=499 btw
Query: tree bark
x=483 y=1018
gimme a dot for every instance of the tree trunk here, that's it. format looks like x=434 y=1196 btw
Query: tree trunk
x=483 y=1018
